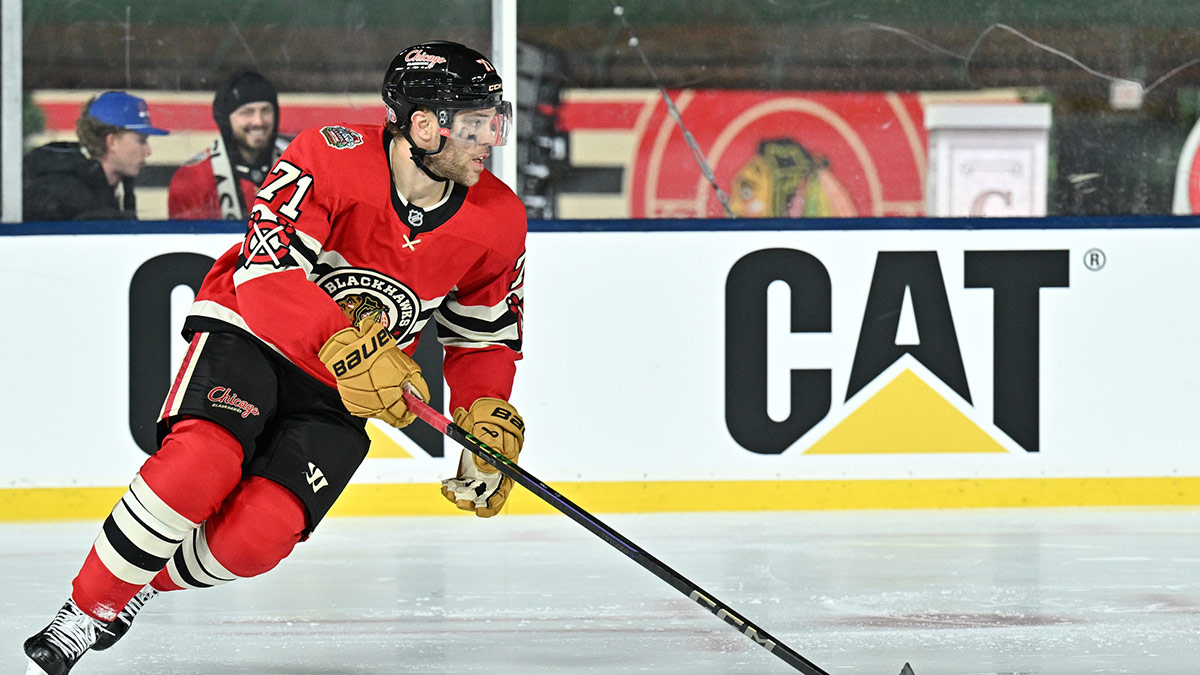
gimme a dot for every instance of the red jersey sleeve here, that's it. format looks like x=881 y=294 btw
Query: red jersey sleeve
x=481 y=322
x=288 y=226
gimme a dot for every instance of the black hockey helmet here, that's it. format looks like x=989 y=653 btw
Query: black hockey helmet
x=445 y=77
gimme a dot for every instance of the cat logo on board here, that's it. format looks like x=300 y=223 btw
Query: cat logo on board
x=341 y=138
x=906 y=388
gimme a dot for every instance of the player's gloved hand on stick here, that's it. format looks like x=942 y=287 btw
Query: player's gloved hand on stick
x=371 y=372
x=479 y=487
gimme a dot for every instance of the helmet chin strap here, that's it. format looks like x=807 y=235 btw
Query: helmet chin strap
x=419 y=154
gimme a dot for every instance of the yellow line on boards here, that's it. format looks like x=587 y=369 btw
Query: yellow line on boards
x=420 y=499
x=66 y=503
x=630 y=497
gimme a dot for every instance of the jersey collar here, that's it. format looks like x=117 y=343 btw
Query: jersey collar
x=416 y=218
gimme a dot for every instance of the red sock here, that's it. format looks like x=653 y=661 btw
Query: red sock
x=197 y=466
x=97 y=592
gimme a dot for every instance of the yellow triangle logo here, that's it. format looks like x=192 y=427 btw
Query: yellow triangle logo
x=906 y=416
x=382 y=445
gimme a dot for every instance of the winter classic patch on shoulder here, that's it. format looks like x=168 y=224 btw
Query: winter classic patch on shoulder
x=341 y=138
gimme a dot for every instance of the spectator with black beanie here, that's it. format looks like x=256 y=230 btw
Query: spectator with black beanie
x=220 y=182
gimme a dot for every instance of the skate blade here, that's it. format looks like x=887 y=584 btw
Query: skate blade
x=907 y=670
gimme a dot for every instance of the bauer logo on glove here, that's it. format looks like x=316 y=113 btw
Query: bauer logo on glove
x=364 y=351
x=371 y=372
x=508 y=413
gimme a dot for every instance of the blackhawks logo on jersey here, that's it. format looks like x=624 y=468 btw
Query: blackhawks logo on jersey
x=341 y=137
x=359 y=306
x=268 y=241
x=363 y=293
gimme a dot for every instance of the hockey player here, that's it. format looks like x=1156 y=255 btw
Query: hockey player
x=220 y=182
x=359 y=235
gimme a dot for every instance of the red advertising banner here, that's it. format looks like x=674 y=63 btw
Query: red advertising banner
x=774 y=154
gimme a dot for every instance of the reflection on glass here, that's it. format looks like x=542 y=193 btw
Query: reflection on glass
x=706 y=108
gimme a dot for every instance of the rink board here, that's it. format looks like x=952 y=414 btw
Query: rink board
x=932 y=363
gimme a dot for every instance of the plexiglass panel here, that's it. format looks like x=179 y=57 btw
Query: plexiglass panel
x=705 y=108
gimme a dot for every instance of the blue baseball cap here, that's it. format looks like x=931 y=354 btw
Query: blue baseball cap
x=118 y=109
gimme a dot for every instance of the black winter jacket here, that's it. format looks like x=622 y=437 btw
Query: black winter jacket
x=60 y=183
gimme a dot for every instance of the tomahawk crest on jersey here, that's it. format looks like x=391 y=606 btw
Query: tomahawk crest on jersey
x=268 y=241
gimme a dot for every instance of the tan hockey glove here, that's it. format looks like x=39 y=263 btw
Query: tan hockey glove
x=371 y=371
x=479 y=487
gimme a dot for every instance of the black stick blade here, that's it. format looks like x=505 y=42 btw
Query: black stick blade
x=907 y=670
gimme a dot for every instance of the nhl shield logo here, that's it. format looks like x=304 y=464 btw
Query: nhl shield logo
x=416 y=217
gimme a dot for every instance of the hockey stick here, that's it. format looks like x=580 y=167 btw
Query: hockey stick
x=593 y=525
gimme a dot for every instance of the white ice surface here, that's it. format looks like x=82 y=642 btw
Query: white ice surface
x=957 y=592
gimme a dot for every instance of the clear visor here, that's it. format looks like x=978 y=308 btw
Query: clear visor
x=481 y=126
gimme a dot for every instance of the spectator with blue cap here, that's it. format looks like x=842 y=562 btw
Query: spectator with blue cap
x=92 y=179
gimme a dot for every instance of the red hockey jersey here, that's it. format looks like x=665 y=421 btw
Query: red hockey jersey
x=194 y=192
x=330 y=240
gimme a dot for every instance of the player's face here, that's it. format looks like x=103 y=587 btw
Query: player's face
x=469 y=141
x=460 y=161
x=127 y=153
x=252 y=125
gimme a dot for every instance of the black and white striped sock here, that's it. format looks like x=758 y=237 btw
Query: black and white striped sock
x=140 y=535
x=193 y=565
